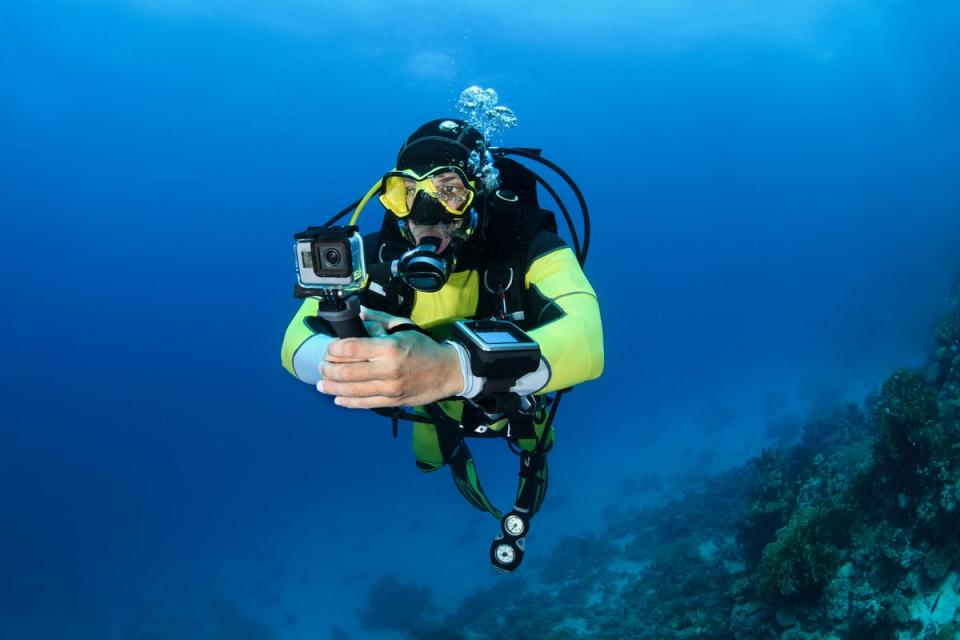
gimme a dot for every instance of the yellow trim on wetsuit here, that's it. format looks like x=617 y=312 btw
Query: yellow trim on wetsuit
x=297 y=333
x=573 y=343
x=455 y=301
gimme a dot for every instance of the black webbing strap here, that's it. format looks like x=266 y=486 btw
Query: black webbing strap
x=408 y=326
x=396 y=414
x=531 y=464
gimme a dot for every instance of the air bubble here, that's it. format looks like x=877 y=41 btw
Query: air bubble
x=477 y=98
x=504 y=115
x=481 y=111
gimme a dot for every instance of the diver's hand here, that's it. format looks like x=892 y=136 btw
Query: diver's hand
x=405 y=369
x=378 y=323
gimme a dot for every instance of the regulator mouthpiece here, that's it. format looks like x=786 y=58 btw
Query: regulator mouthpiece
x=422 y=267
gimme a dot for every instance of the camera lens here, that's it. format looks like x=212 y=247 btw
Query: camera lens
x=332 y=257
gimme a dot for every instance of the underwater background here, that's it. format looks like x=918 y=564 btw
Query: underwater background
x=775 y=198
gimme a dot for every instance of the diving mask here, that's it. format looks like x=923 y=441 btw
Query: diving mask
x=405 y=192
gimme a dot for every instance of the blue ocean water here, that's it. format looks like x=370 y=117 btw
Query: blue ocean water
x=775 y=192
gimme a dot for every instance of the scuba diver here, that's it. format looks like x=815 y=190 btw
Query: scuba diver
x=476 y=311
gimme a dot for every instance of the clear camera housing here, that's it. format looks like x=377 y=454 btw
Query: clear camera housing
x=330 y=258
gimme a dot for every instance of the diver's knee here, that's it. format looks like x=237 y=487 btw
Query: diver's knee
x=427 y=467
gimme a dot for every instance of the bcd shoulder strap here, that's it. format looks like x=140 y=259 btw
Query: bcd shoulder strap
x=383 y=291
x=510 y=229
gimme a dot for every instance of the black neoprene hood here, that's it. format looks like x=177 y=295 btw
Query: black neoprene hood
x=438 y=144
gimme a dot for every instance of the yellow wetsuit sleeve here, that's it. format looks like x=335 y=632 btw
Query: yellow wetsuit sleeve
x=568 y=328
x=298 y=332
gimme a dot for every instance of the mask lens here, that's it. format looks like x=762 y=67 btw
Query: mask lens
x=448 y=187
x=445 y=185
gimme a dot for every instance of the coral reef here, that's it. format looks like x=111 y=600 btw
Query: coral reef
x=805 y=554
x=851 y=533
x=398 y=606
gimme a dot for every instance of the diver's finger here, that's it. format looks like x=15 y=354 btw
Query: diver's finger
x=363 y=371
x=374 y=402
x=338 y=359
x=375 y=329
x=384 y=319
x=361 y=348
x=371 y=315
x=358 y=390
x=381 y=318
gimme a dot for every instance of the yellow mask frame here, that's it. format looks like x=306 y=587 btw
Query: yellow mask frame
x=397 y=185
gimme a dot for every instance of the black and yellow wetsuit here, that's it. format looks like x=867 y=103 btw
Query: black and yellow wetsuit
x=556 y=306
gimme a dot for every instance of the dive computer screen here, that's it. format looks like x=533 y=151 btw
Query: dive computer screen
x=496 y=337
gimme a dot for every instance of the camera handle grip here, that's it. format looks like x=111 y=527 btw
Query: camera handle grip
x=344 y=317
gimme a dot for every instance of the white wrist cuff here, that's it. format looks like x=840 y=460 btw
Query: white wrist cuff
x=308 y=358
x=472 y=385
x=534 y=381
